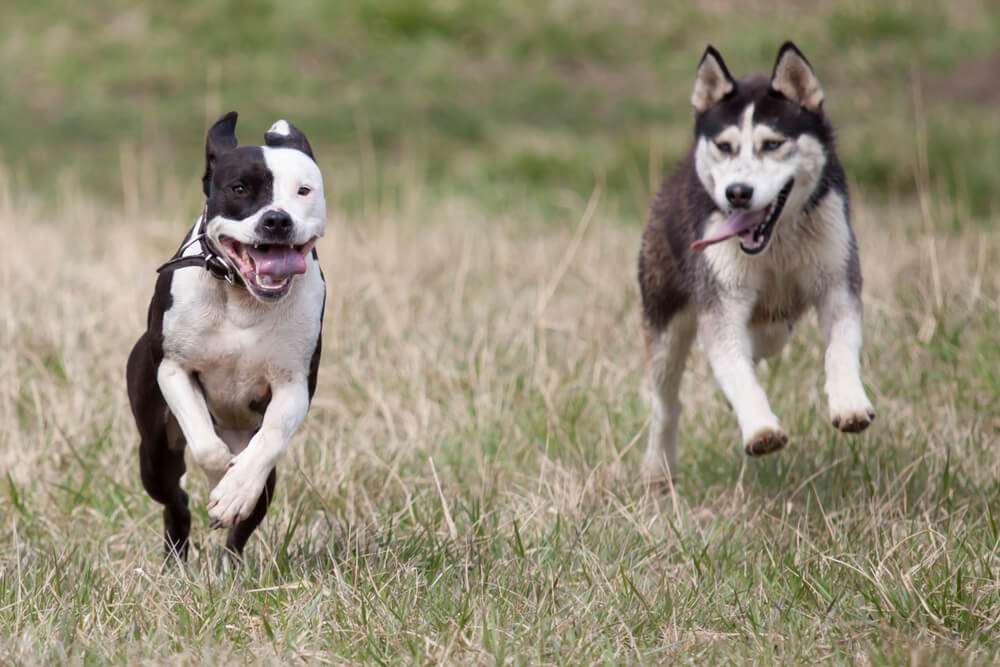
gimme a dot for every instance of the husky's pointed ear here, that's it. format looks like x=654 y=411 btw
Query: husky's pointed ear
x=221 y=139
x=284 y=134
x=794 y=78
x=712 y=82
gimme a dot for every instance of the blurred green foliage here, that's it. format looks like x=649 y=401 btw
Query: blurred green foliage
x=504 y=103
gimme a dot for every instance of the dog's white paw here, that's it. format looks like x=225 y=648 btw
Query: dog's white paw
x=236 y=494
x=766 y=440
x=852 y=416
x=850 y=409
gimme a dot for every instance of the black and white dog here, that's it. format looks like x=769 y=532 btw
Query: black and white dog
x=749 y=232
x=229 y=359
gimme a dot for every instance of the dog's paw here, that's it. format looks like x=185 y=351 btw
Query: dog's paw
x=236 y=494
x=854 y=421
x=850 y=409
x=766 y=441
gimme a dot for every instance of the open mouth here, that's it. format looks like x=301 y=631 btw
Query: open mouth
x=267 y=268
x=752 y=227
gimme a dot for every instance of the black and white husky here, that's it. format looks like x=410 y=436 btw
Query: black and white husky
x=749 y=232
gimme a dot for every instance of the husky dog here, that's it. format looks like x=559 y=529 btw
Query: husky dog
x=749 y=232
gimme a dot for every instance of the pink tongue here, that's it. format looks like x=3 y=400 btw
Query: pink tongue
x=278 y=261
x=739 y=221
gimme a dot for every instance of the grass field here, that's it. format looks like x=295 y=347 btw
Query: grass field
x=464 y=488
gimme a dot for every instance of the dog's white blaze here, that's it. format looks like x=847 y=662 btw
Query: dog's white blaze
x=280 y=127
x=746 y=133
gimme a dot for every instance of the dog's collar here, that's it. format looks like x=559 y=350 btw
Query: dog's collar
x=216 y=264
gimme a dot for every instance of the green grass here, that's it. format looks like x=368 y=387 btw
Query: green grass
x=502 y=101
x=464 y=489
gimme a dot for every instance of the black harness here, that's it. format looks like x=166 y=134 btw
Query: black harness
x=215 y=263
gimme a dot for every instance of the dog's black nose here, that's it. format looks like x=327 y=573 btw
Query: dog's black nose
x=275 y=224
x=739 y=194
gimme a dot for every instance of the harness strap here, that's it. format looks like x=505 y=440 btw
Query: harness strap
x=209 y=260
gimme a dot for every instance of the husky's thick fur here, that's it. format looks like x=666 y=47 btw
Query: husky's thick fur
x=749 y=232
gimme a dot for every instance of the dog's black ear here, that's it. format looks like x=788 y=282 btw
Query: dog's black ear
x=284 y=134
x=221 y=139
x=712 y=82
x=794 y=78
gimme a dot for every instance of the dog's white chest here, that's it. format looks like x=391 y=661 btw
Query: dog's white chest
x=234 y=374
x=237 y=349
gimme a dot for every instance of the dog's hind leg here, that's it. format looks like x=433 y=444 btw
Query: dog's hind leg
x=161 y=450
x=668 y=353
x=240 y=531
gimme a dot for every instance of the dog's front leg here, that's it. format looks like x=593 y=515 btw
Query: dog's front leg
x=236 y=494
x=187 y=403
x=839 y=312
x=726 y=340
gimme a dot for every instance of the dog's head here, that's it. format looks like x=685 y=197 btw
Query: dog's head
x=265 y=206
x=760 y=143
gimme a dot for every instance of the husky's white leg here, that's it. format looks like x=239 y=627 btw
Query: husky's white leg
x=727 y=343
x=667 y=358
x=839 y=314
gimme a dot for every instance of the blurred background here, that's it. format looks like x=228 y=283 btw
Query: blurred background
x=516 y=106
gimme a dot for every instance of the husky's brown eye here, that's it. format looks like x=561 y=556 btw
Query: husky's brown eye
x=724 y=147
x=239 y=190
x=772 y=144
x=304 y=190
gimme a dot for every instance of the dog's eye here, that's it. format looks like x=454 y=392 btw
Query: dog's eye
x=772 y=144
x=724 y=147
x=239 y=190
x=304 y=190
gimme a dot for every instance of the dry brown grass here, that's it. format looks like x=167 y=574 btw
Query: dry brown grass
x=463 y=489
